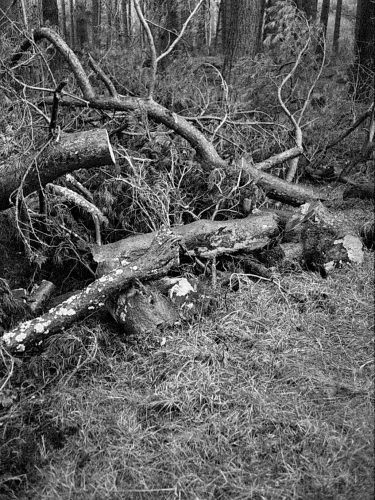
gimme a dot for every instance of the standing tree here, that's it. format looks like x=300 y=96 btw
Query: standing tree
x=336 y=33
x=50 y=12
x=242 y=22
x=96 y=20
x=364 y=47
x=324 y=14
x=82 y=22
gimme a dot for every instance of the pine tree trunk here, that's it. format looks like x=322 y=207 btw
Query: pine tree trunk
x=365 y=47
x=50 y=12
x=242 y=21
x=324 y=14
x=336 y=33
x=72 y=25
x=63 y=26
x=96 y=20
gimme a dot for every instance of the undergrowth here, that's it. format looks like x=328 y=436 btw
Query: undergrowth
x=267 y=398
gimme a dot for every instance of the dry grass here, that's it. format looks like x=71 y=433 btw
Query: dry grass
x=266 y=399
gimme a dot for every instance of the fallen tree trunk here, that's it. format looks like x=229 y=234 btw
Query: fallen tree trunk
x=274 y=187
x=278 y=189
x=161 y=256
x=73 y=151
x=202 y=238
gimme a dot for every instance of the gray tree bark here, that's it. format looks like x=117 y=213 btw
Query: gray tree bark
x=365 y=46
x=336 y=33
x=242 y=30
x=72 y=152
x=162 y=255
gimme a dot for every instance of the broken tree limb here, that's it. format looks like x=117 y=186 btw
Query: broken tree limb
x=202 y=238
x=278 y=189
x=161 y=256
x=205 y=149
x=73 y=151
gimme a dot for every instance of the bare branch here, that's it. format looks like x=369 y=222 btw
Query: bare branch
x=297 y=128
x=104 y=78
x=67 y=53
x=183 y=29
x=154 y=63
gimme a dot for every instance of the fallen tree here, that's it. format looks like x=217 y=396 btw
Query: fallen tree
x=203 y=239
x=161 y=256
x=70 y=152
x=274 y=187
x=312 y=236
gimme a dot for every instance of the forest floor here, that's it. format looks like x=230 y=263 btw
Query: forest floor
x=264 y=398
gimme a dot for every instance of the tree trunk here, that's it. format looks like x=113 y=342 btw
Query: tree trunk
x=162 y=255
x=50 y=12
x=336 y=33
x=73 y=39
x=72 y=152
x=324 y=14
x=202 y=238
x=63 y=21
x=81 y=19
x=364 y=47
x=274 y=186
x=96 y=20
x=242 y=21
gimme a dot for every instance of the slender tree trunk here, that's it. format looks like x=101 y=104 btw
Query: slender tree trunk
x=23 y=5
x=96 y=20
x=63 y=23
x=365 y=49
x=336 y=33
x=73 y=40
x=242 y=21
x=324 y=14
x=81 y=21
x=50 y=12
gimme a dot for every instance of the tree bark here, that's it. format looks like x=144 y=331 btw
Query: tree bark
x=162 y=255
x=202 y=238
x=324 y=14
x=242 y=33
x=364 y=47
x=50 y=12
x=336 y=33
x=205 y=149
x=74 y=151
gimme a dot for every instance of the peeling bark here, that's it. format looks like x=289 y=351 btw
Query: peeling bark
x=203 y=238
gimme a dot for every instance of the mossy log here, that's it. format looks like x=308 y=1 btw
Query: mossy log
x=156 y=262
x=71 y=152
